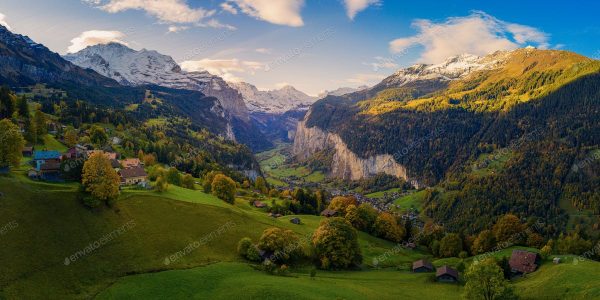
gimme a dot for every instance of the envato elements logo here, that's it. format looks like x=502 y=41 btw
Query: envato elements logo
x=8 y=227
x=298 y=50
x=99 y=243
x=202 y=241
x=586 y=162
x=8 y=134
x=595 y=57
x=206 y=45
x=587 y=255
x=506 y=150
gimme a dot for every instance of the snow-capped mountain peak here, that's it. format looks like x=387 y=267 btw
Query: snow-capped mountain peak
x=131 y=67
x=278 y=101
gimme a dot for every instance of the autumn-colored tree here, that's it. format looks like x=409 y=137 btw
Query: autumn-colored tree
x=246 y=184
x=484 y=242
x=535 y=240
x=451 y=245
x=368 y=215
x=507 y=227
x=40 y=126
x=98 y=136
x=188 y=182
x=353 y=216
x=71 y=138
x=339 y=204
x=285 y=244
x=545 y=252
x=100 y=179
x=161 y=185
x=386 y=227
x=120 y=128
x=208 y=179
x=486 y=281
x=149 y=160
x=156 y=171
x=336 y=244
x=173 y=177
x=274 y=193
x=140 y=155
x=260 y=184
x=11 y=144
x=224 y=188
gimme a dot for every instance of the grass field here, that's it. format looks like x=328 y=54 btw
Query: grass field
x=239 y=281
x=51 y=144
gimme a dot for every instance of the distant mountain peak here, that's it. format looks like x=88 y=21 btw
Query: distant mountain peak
x=277 y=101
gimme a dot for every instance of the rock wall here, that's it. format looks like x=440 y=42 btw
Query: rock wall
x=346 y=164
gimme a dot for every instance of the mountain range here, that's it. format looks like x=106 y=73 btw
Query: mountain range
x=470 y=126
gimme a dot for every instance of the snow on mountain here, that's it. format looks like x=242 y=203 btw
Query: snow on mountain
x=341 y=91
x=275 y=101
x=131 y=67
x=455 y=67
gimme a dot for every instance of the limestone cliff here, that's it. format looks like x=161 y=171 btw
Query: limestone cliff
x=346 y=164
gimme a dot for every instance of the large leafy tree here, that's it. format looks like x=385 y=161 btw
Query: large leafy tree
x=336 y=244
x=11 y=144
x=71 y=138
x=368 y=215
x=100 y=179
x=484 y=242
x=507 y=227
x=98 y=136
x=486 y=281
x=285 y=244
x=386 y=227
x=173 y=177
x=224 y=188
x=451 y=245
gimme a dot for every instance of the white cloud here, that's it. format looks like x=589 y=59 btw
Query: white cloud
x=381 y=64
x=222 y=67
x=167 y=11
x=280 y=12
x=282 y=85
x=215 y=24
x=232 y=78
x=362 y=79
x=265 y=50
x=3 y=22
x=478 y=34
x=176 y=29
x=229 y=8
x=353 y=7
x=95 y=37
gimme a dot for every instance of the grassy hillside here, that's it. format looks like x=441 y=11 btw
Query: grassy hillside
x=239 y=281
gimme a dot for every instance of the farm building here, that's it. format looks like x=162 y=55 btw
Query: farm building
x=523 y=262
x=447 y=274
x=329 y=213
x=422 y=266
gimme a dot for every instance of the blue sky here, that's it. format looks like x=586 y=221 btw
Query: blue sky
x=311 y=44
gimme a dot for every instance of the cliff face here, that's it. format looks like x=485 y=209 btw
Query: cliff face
x=346 y=164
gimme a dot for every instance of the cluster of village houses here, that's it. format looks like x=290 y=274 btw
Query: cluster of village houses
x=46 y=164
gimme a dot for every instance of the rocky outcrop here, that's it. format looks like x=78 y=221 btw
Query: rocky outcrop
x=346 y=164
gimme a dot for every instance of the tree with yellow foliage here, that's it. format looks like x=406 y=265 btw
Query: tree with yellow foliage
x=100 y=180
x=11 y=144
x=336 y=244
x=71 y=138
